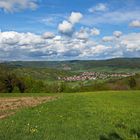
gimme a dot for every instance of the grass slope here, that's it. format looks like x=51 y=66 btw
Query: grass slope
x=46 y=74
x=79 y=116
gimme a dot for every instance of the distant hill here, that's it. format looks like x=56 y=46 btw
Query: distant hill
x=111 y=65
x=42 y=76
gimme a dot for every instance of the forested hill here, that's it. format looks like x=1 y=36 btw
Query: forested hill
x=117 y=64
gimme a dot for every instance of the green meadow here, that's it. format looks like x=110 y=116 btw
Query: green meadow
x=106 y=115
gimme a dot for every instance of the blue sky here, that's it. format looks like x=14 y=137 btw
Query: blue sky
x=62 y=29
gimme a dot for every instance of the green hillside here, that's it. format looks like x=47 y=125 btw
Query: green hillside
x=111 y=65
x=41 y=76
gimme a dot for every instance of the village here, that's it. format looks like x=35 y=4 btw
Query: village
x=94 y=76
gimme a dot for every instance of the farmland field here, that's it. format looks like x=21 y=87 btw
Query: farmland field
x=107 y=115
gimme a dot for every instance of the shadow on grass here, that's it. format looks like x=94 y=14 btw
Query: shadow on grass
x=135 y=132
x=111 y=136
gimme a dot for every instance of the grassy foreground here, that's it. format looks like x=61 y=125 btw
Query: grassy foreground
x=77 y=116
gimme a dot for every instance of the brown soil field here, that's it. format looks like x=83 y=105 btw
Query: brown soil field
x=9 y=106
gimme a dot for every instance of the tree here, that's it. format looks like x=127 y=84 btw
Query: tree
x=9 y=81
x=20 y=84
x=62 y=87
x=132 y=82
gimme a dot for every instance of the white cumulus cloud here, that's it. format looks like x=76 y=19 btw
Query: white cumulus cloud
x=17 y=5
x=48 y=35
x=95 y=31
x=65 y=27
x=82 y=34
x=135 y=23
x=75 y=17
x=131 y=42
x=117 y=33
x=30 y=46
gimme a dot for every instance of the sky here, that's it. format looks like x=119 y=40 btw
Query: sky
x=69 y=29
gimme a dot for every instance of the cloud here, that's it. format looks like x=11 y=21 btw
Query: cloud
x=135 y=23
x=86 y=33
x=75 y=17
x=131 y=42
x=66 y=27
x=107 y=38
x=111 y=17
x=117 y=33
x=30 y=46
x=71 y=53
x=48 y=35
x=82 y=34
x=17 y=5
x=101 y=49
x=95 y=31
x=101 y=7
x=19 y=40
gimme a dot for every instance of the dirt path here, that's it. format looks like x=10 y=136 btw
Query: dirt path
x=9 y=106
